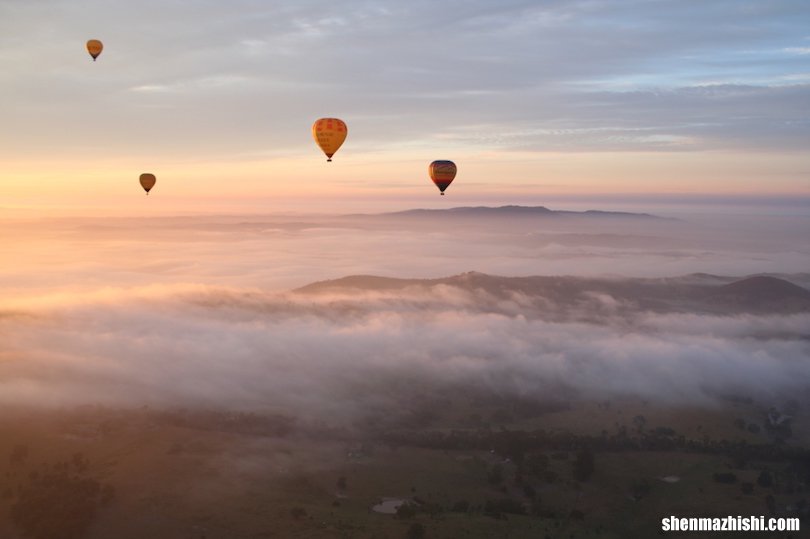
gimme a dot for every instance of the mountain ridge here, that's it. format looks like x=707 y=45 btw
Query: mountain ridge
x=717 y=294
x=507 y=211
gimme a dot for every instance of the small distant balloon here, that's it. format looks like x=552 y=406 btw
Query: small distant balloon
x=442 y=173
x=329 y=134
x=147 y=181
x=94 y=47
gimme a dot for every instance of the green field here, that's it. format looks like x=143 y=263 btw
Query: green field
x=586 y=469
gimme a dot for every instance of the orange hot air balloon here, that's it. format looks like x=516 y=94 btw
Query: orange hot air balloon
x=147 y=181
x=442 y=173
x=94 y=47
x=329 y=133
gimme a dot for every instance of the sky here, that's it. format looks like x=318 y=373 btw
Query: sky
x=535 y=101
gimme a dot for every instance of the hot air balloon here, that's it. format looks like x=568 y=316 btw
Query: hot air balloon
x=94 y=47
x=147 y=181
x=442 y=173
x=329 y=133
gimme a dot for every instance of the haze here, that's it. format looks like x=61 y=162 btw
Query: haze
x=197 y=310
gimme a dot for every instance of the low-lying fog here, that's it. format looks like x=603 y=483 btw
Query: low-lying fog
x=199 y=311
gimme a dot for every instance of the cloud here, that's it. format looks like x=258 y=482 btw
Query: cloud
x=406 y=72
x=701 y=117
x=199 y=84
x=336 y=356
x=195 y=313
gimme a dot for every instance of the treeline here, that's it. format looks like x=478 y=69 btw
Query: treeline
x=514 y=444
x=246 y=423
x=57 y=501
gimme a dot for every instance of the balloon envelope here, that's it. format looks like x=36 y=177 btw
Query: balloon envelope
x=94 y=47
x=329 y=133
x=147 y=181
x=442 y=173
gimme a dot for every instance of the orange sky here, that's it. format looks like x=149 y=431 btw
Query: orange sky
x=383 y=183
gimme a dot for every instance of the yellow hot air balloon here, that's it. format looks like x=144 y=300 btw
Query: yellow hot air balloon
x=442 y=173
x=94 y=47
x=329 y=133
x=147 y=181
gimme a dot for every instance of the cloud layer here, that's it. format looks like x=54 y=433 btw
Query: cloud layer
x=195 y=312
x=341 y=356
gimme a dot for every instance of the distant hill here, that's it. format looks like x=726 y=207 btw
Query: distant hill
x=513 y=211
x=720 y=295
x=762 y=293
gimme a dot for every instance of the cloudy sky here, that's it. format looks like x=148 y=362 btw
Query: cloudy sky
x=532 y=99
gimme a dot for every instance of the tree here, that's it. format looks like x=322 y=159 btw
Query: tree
x=56 y=505
x=80 y=462
x=461 y=506
x=18 y=454
x=405 y=511
x=107 y=494
x=641 y=489
x=765 y=480
x=536 y=464
x=770 y=503
x=495 y=475
x=725 y=477
x=584 y=465
x=504 y=505
x=415 y=531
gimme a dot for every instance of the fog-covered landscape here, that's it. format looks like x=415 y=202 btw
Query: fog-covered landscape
x=294 y=372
